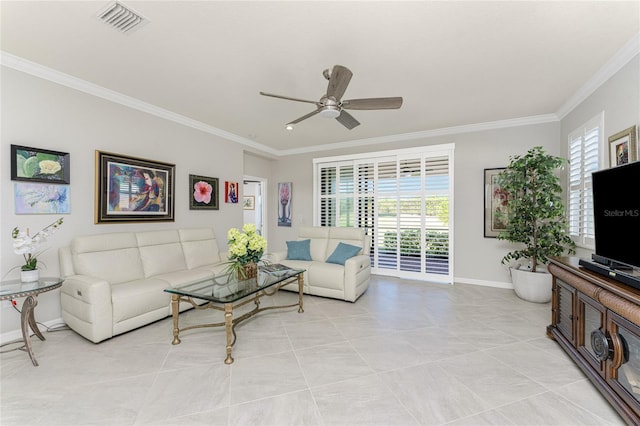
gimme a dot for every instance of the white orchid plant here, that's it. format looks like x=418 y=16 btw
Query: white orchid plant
x=245 y=247
x=28 y=245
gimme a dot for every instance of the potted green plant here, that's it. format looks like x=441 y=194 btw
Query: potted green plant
x=536 y=220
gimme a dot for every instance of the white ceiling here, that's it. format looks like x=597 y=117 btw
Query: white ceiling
x=454 y=63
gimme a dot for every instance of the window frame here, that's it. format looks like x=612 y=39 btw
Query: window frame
x=582 y=188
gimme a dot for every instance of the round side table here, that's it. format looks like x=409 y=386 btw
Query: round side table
x=13 y=289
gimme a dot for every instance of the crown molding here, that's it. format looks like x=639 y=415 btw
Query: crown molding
x=67 y=80
x=445 y=131
x=608 y=70
x=621 y=58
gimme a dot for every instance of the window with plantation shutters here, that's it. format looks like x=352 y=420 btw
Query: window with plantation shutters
x=403 y=200
x=585 y=146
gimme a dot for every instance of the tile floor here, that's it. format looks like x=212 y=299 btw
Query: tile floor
x=406 y=353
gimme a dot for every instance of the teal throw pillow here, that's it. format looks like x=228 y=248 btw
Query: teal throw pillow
x=342 y=253
x=299 y=250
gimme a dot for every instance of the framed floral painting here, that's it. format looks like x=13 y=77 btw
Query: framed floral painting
x=623 y=147
x=130 y=189
x=495 y=204
x=203 y=193
x=284 y=203
x=39 y=165
x=249 y=202
x=41 y=198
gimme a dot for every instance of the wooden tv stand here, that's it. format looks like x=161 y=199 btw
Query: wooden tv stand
x=596 y=320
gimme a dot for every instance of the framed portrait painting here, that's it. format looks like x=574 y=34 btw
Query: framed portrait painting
x=203 y=193
x=231 y=192
x=495 y=204
x=39 y=165
x=623 y=147
x=130 y=189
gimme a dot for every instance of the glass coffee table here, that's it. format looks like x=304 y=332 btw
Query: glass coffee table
x=226 y=293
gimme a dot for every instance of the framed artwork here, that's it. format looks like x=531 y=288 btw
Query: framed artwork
x=284 y=204
x=203 y=193
x=130 y=189
x=39 y=165
x=623 y=147
x=249 y=202
x=41 y=198
x=230 y=192
x=495 y=204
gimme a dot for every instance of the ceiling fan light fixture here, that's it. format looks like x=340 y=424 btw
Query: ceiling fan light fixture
x=330 y=112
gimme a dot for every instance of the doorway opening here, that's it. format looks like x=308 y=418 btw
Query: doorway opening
x=255 y=208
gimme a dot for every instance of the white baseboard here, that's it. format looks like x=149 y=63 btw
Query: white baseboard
x=17 y=334
x=498 y=284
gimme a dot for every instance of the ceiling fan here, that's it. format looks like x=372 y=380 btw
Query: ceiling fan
x=331 y=106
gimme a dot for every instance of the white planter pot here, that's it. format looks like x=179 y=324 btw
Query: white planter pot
x=29 y=276
x=532 y=286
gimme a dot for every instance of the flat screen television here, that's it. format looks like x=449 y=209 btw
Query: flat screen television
x=616 y=215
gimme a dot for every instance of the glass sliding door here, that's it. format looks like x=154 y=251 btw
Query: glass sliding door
x=402 y=198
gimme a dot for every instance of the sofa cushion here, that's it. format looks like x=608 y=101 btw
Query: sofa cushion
x=318 y=236
x=112 y=257
x=342 y=253
x=136 y=298
x=299 y=250
x=352 y=236
x=199 y=246
x=161 y=252
x=327 y=275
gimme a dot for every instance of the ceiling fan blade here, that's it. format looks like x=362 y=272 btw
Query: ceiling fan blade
x=347 y=120
x=338 y=82
x=373 y=103
x=288 y=98
x=304 y=117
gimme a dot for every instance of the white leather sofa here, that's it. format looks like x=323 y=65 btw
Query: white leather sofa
x=115 y=282
x=346 y=282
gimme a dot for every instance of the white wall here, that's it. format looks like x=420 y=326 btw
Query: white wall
x=41 y=114
x=619 y=98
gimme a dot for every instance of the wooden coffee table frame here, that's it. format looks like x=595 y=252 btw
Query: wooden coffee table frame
x=229 y=321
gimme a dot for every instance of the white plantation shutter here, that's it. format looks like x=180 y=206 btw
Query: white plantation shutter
x=402 y=198
x=584 y=158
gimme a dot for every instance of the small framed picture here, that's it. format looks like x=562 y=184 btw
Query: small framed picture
x=203 y=193
x=495 y=204
x=249 y=202
x=231 y=192
x=39 y=165
x=623 y=147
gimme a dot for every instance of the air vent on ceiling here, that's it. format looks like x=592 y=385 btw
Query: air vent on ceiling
x=122 y=18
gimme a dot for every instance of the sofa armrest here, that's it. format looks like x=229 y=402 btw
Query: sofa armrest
x=355 y=264
x=357 y=272
x=86 y=306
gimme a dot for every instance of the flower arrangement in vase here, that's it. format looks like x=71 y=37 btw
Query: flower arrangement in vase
x=28 y=245
x=246 y=248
